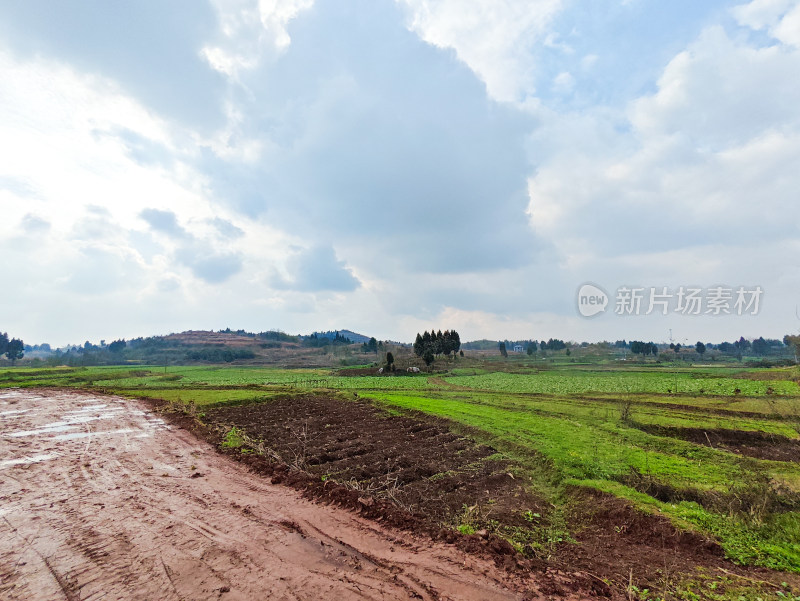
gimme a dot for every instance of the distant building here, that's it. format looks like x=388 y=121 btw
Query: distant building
x=518 y=348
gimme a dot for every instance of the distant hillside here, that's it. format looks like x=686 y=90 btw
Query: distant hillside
x=331 y=334
x=480 y=345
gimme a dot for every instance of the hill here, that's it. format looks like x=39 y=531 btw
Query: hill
x=331 y=334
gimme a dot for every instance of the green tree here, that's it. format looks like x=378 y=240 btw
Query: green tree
x=503 y=349
x=446 y=348
x=15 y=350
x=418 y=345
x=390 y=360
x=644 y=348
x=455 y=342
x=3 y=343
x=438 y=343
x=760 y=346
x=794 y=342
x=700 y=348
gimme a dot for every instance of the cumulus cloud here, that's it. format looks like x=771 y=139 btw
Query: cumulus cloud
x=200 y=254
x=393 y=151
x=82 y=207
x=207 y=264
x=563 y=83
x=225 y=228
x=34 y=224
x=151 y=51
x=493 y=39
x=712 y=94
x=780 y=18
x=322 y=165
x=708 y=157
x=163 y=221
x=691 y=183
x=250 y=30
x=316 y=269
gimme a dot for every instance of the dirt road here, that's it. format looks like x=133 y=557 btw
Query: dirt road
x=101 y=499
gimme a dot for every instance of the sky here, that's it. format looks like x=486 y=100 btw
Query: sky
x=390 y=166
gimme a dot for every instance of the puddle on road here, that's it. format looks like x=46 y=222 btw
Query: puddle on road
x=77 y=435
x=13 y=412
x=90 y=408
x=56 y=427
x=27 y=460
x=72 y=422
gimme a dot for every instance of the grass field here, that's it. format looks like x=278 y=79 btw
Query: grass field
x=627 y=430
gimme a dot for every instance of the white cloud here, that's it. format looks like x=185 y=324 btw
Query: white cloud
x=563 y=83
x=249 y=31
x=697 y=185
x=712 y=94
x=72 y=193
x=589 y=61
x=276 y=14
x=780 y=18
x=494 y=38
x=315 y=269
x=404 y=185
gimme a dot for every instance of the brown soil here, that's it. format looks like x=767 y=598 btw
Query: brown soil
x=761 y=445
x=100 y=498
x=129 y=508
x=619 y=543
x=616 y=540
x=421 y=466
x=434 y=474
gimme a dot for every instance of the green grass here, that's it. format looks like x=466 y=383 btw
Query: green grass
x=590 y=445
x=584 y=382
x=233 y=439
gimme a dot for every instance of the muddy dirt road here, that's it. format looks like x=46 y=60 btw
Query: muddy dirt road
x=101 y=499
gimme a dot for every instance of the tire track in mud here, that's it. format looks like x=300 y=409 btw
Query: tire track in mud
x=100 y=499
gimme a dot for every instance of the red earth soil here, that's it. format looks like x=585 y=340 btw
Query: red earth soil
x=421 y=466
x=414 y=473
x=101 y=499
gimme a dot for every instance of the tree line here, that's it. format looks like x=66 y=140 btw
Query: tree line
x=430 y=344
x=316 y=341
x=12 y=348
x=644 y=348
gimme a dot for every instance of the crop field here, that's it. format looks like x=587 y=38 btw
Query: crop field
x=715 y=450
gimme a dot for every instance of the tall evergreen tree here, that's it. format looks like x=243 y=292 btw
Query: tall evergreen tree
x=418 y=345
